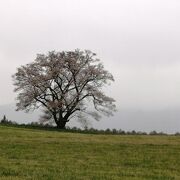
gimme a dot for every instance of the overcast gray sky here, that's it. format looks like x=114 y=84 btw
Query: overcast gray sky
x=137 y=40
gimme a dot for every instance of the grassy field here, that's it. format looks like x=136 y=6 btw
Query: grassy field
x=48 y=155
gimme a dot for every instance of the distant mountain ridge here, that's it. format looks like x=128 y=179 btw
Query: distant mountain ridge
x=167 y=120
x=18 y=116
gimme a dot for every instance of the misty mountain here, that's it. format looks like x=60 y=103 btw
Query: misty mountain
x=18 y=116
x=22 y=117
x=167 y=120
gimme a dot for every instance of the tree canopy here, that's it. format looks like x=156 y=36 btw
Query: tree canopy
x=66 y=84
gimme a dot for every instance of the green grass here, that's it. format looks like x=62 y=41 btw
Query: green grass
x=47 y=155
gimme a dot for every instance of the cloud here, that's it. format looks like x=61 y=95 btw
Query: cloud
x=138 y=41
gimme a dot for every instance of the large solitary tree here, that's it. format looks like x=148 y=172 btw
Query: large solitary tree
x=66 y=84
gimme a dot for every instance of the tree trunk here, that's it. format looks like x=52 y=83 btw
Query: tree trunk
x=61 y=124
x=60 y=121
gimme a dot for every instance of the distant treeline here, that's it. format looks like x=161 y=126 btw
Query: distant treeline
x=40 y=126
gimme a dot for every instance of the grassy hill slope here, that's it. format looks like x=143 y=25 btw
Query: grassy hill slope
x=47 y=155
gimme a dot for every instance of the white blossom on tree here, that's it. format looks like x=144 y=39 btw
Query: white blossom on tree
x=65 y=84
